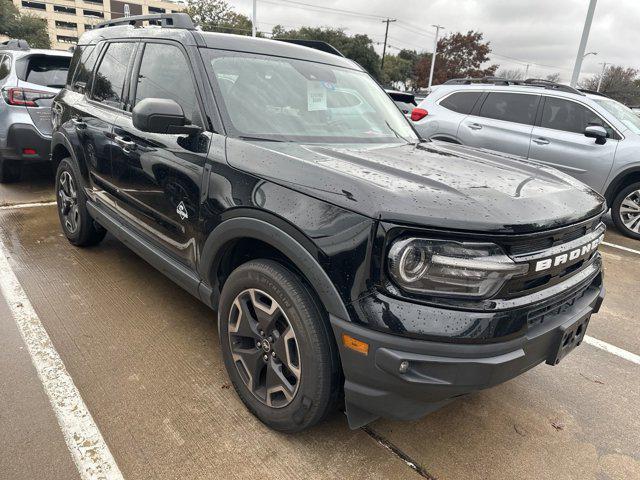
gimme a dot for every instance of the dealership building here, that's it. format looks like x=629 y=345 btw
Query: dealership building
x=68 y=19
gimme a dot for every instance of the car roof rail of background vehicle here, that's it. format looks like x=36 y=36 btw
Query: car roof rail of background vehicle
x=317 y=44
x=14 y=44
x=164 y=20
x=593 y=92
x=529 y=82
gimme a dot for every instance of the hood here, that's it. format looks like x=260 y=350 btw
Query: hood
x=434 y=184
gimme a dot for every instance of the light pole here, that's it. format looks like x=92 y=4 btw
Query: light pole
x=386 y=33
x=254 y=18
x=435 y=51
x=583 y=42
x=604 y=66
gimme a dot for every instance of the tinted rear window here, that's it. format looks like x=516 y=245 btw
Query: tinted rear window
x=461 y=102
x=510 y=107
x=47 y=70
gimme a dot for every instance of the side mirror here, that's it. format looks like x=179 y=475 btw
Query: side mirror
x=598 y=132
x=161 y=115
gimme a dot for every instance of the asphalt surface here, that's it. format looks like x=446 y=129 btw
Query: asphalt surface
x=144 y=356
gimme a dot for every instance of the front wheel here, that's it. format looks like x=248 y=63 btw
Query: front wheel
x=277 y=347
x=625 y=211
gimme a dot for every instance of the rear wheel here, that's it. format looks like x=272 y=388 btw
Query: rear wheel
x=277 y=347
x=10 y=171
x=625 y=211
x=77 y=225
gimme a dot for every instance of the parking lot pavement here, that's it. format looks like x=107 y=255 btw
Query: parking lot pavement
x=36 y=186
x=145 y=357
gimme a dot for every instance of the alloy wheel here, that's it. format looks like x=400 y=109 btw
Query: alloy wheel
x=68 y=202
x=630 y=211
x=264 y=348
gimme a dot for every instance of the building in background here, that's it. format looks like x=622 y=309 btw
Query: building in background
x=68 y=19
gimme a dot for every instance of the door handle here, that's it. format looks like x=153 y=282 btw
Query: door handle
x=78 y=123
x=475 y=126
x=126 y=145
x=541 y=141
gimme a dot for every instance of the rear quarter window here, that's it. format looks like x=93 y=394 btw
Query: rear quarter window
x=461 y=102
x=85 y=59
x=5 y=66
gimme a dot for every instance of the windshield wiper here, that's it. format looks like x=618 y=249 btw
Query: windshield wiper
x=400 y=136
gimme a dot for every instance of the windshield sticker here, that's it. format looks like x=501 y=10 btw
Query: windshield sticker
x=316 y=96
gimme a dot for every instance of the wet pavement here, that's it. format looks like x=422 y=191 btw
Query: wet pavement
x=145 y=357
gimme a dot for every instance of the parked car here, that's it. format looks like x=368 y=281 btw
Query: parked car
x=29 y=79
x=346 y=260
x=585 y=134
x=406 y=101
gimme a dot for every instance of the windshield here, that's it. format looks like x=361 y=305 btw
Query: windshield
x=622 y=113
x=284 y=99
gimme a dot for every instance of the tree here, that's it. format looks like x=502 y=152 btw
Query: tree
x=218 y=16
x=396 y=70
x=30 y=28
x=459 y=55
x=618 y=82
x=554 y=77
x=357 y=47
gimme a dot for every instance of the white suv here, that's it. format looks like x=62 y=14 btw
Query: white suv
x=585 y=134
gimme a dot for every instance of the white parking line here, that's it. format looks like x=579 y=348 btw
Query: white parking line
x=607 y=347
x=85 y=442
x=620 y=247
x=27 y=205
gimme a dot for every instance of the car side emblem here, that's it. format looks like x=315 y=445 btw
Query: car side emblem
x=182 y=211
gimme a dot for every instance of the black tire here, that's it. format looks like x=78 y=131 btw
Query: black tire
x=318 y=388
x=10 y=171
x=82 y=231
x=627 y=222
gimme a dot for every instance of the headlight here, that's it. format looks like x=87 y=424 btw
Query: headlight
x=452 y=269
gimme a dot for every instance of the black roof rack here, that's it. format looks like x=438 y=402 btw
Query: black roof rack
x=317 y=44
x=165 y=20
x=529 y=82
x=14 y=44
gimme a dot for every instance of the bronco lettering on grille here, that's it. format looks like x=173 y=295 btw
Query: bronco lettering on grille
x=570 y=256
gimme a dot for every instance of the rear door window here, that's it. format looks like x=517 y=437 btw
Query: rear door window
x=568 y=116
x=47 y=70
x=510 y=107
x=108 y=84
x=461 y=102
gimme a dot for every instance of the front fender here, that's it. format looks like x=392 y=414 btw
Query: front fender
x=247 y=227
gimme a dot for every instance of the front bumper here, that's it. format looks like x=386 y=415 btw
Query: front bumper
x=440 y=371
x=22 y=136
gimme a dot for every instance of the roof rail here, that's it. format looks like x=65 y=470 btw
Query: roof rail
x=593 y=92
x=14 y=44
x=317 y=44
x=166 y=20
x=529 y=82
x=471 y=80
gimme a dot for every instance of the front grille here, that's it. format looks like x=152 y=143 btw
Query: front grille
x=545 y=247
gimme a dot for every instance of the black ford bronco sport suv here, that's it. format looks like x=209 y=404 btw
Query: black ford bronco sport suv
x=349 y=262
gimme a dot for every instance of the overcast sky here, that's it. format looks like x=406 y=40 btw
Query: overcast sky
x=544 y=33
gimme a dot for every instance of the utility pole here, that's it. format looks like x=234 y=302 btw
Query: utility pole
x=386 y=33
x=433 y=55
x=254 y=18
x=604 y=66
x=583 y=43
x=526 y=72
